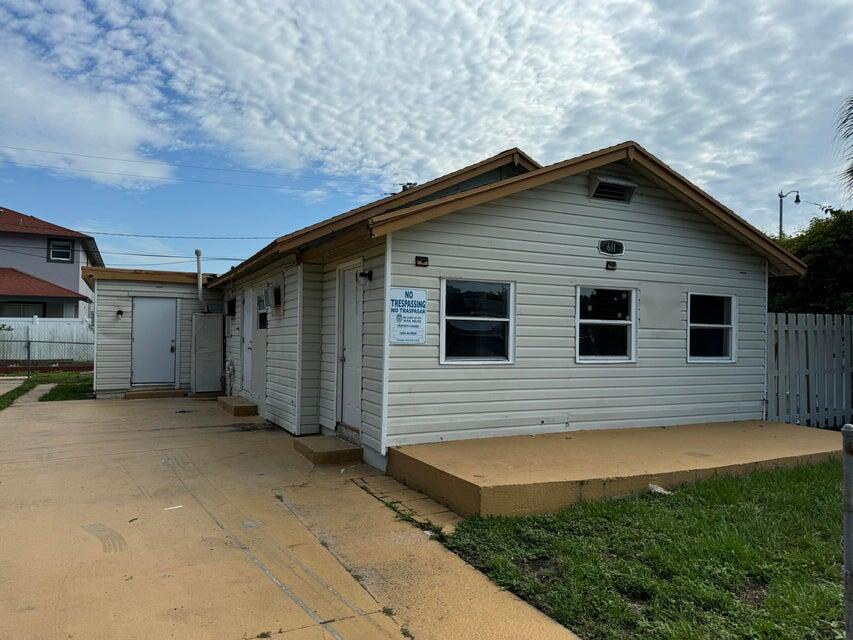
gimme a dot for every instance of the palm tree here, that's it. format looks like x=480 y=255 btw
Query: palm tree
x=844 y=131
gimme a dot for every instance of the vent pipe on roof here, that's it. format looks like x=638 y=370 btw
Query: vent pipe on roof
x=198 y=275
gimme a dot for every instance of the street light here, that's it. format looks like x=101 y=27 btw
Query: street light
x=782 y=196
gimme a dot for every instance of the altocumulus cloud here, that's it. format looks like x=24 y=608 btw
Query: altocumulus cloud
x=739 y=97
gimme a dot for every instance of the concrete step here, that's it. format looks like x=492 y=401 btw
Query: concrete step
x=327 y=450
x=147 y=394
x=237 y=405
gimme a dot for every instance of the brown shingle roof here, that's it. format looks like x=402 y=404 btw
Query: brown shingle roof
x=19 y=284
x=12 y=221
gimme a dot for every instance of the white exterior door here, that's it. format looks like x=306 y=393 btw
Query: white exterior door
x=152 y=353
x=258 y=389
x=248 y=328
x=350 y=348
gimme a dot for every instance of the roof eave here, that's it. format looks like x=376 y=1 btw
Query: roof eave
x=783 y=262
x=327 y=229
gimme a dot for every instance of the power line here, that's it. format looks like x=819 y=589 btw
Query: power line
x=13 y=249
x=148 y=235
x=41 y=229
x=193 y=180
x=178 y=164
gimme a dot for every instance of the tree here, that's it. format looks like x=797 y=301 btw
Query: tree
x=844 y=132
x=825 y=247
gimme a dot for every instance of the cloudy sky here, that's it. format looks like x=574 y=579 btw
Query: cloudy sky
x=113 y=113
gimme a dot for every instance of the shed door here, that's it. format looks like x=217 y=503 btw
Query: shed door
x=350 y=349
x=248 y=327
x=152 y=353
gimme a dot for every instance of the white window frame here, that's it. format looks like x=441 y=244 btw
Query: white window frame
x=632 y=324
x=732 y=326
x=52 y=241
x=510 y=359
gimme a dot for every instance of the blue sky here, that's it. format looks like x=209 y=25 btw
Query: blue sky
x=335 y=102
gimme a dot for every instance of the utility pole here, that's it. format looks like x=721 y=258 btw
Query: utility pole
x=782 y=196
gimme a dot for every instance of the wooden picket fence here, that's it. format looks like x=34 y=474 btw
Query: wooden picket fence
x=809 y=374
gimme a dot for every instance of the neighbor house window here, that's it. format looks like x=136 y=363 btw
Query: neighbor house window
x=22 y=309
x=477 y=324
x=60 y=250
x=711 y=328
x=606 y=325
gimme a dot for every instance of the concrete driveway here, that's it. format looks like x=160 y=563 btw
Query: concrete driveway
x=171 y=519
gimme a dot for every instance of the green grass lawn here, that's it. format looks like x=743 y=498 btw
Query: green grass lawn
x=757 y=556
x=70 y=385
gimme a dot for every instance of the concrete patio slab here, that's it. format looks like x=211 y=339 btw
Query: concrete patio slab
x=521 y=475
x=170 y=518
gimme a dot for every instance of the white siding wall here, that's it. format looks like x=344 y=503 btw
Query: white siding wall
x=373 y=255
x=113 y=334
x=281 y=390
x=545 y=240
x=312 y=305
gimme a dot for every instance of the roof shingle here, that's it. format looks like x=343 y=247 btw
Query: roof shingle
x=19 y=284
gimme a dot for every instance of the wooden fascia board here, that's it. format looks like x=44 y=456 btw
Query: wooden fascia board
x=338 y=223
x=143 y=277
x=729 y=220
x=394 y=221
x=311 y=254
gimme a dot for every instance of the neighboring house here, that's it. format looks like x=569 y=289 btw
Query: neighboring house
x=508 y=298
x=43 y=254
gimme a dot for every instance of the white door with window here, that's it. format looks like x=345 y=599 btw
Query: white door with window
x=349 y=351
x=152 y=353
x=248 y=329
x=258 y=389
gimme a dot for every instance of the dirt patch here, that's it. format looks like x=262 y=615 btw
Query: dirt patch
x=752 y=593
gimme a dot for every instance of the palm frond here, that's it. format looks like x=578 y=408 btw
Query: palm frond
x=844 y=133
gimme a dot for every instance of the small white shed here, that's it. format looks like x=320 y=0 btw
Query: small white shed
x=151 y=328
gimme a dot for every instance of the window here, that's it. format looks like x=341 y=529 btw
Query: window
x=276 y=296
x=477 y=324
x=22 y=309
x=262 y=312
x=606 y=321
x=231 y=307
x=60 y=251
x=710 y=333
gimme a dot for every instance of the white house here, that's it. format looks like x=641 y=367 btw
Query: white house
x=508 y=298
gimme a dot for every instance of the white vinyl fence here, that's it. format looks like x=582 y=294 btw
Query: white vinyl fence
x=809 y=379
x=46 y=340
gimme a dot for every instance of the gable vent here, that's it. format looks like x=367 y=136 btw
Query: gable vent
x=609 y=188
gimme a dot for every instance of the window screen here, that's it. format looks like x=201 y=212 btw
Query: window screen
x=711 y=329
x=605 y=324
x=477 y=320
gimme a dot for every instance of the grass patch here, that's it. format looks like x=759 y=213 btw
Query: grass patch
x=70 y=385
x=756 y=556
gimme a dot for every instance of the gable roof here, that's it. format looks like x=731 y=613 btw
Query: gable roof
x=12 y=221
x=330 y=227
x=784 y=263
x=22 y=285
x=405 y=209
